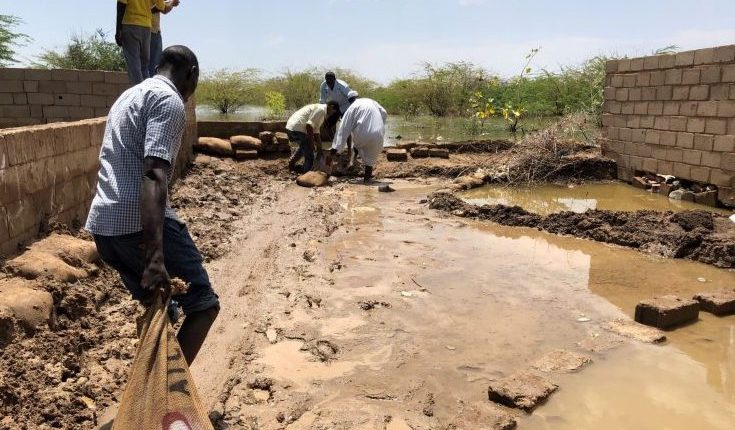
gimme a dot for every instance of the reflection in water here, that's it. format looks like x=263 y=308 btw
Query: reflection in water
x=546 y=199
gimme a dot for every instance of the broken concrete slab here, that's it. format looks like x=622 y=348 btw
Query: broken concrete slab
x=396 y=154
x=719 y=302
x=687 y=196
x=666 y=311
x=420 y=152
x=640 y=182
x=523 y=390
x=636 y=331
x=562 y=360
x=708 y=198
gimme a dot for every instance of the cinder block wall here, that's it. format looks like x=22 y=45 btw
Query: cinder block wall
x=49 y=173
x=227 y=129
x=38 y=96
x=675 y=115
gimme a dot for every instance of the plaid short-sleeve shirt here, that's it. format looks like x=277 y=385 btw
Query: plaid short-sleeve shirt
x=146 y=121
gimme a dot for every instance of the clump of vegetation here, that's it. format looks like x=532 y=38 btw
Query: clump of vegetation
x=10 y=39
x=93 y=52
x=228 y=91
x=275 y=102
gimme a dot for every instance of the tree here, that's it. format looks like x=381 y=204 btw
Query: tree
x=9 y=39
x=92 y=52
x=228 y=91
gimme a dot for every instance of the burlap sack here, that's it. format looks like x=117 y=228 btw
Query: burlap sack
x=213 y=146
x=160 y=393
x=245 y=142
x=313 y=179
x=266 y=137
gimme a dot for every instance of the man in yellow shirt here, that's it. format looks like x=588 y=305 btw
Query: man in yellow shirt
x=156 y=39
x=133 y=33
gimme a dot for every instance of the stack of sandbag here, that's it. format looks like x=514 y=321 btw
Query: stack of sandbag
x=214 y=146
x=282 y=142
x=268 y=140
x=245 y=147
x=59 y=256
x=313 y=179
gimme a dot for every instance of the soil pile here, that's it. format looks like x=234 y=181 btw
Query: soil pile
x=695 y=235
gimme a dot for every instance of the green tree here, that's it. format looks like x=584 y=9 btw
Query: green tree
x=10 y=39
x=93 y=52
x=228 y=91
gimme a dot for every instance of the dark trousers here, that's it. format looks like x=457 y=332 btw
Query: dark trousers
x=304 y=150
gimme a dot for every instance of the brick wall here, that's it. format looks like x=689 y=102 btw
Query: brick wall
x=38 y=96
x=674 y=114
x=49 y=173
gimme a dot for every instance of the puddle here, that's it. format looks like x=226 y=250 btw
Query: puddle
x=546 y=199
x=494 y=299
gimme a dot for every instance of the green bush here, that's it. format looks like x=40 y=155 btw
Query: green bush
x=92 y=52
x=228 y=91
x=275 y=102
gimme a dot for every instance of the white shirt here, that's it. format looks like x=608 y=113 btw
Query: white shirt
x=312 y=115
x=365 y=120
x=338 y=94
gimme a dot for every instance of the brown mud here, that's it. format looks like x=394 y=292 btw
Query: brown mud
x=696 y=235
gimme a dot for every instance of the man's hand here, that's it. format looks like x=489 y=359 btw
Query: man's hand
x=155 y=275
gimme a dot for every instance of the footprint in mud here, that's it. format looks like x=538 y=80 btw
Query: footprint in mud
x=324 y=350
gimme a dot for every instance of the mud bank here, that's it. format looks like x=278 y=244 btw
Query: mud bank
x=695 y=235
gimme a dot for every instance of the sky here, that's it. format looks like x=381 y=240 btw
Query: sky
x=389 y=39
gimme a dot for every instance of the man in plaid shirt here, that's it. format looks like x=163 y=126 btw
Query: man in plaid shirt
x=134 y=227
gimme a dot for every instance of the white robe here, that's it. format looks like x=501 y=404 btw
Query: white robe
x=365 y=120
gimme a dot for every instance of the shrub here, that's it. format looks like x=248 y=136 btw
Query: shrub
x=92 y=52
x=227 y=91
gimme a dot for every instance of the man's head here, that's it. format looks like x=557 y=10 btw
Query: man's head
x=179 y=64
x=333 y=112
x=352 y=96
x=330 y=78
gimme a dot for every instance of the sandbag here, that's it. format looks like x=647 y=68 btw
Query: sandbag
x=30 y=307
x=160 y=393
x=213 y=146
x=245 y=142
x=266 y=137
x=61 y=257
x=313 y=179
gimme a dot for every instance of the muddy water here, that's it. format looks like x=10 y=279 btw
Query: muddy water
x=546 y=199
x=472 y=302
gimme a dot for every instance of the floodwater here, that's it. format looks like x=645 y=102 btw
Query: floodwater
x=473 y=302
x=547 y=199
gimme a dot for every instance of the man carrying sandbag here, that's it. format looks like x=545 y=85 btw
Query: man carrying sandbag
x=303 y=128
x=365 y=122
x=134 y=227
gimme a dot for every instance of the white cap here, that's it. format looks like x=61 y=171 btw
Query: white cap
x=352 y=94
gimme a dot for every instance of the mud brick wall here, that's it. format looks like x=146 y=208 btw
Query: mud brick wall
x=49 y=173
x=39 y=96
x=227 y=129
x=674 y=114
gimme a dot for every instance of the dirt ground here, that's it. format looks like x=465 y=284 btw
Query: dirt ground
x=341 y=309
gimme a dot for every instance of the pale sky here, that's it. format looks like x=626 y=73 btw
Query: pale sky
x=387 y=39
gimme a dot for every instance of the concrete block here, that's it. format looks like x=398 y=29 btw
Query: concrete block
x=628 y=108
x=561 y=361
x=658 y=78
x=631 y=121
x=711 y=159
x=438 y=152
x=629 y=80
x=648 y=93
x=678 y=123
x=668 y=138
x=611 y=66
x=11 y=74
x=707 y=198
x=116 y=78
x=671 y=108
x=79 y=87
x=703 y=142
x=667 y=312
x=609 y=93
x=716 y=126
x=711 y=75
x=56 y=111
x=680 y=93
x=93 y=101
x=635 y=331
x=44 y=99
x=52 y=87
x=650 y=63
x=696 y=125
x=67 y=100
x=727 y=161
x=667 y=61
x=638 y=136
x=721 y=178
x=37 y=112
x=704 y=56
x=646 y=121
x=682 y=170
x=91 y=76
x=688 y=108
x=616 y=81
x=30 y=86
x=6 y=98
x=724 y=143
x=522 y=390
x=724 y=54
x=685 y=140
x=665 y=167
x=699 y=92
x=245 y=154
x=11 y=86
x=37 y=74
x=726 y=109
x=656 y=108
x=16 y=111
x=661 y=123
x=653 y=137
x=690 y=77
x=728 y=73
x=719 y=92
x=659 y=153
x=419 y=152
x=624 y=65
x=719 y=302
x=64 y=75
x=707 y=108
x=684 y=58
x=731 y=126
x=639 y=182
x=643 y=79
x=396 y=155
x=636 y=64
x=20 y=99
x=673 y=77
x=621 y=94
x=635 y=94
x=674 y=155
x=105 y=89
x=691 y=156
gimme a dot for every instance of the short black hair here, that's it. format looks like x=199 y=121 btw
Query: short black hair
x=330 y=74
x=334 y=104
x=178 y=58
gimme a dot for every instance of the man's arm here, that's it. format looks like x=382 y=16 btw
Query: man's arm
x=153 y=198
x=121 y=6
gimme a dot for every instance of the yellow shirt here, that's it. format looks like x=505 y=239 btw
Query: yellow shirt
x=138 y=12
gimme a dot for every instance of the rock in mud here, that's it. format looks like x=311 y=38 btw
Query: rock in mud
x=636 y=331
x=562 y=360
x=718 y=303
x=396 y=155
x=708 y=198
x=313 y=179
x=30 y=307
x=385 y=189
x=214 y=146
x=523 y=390
x=467 y=182
x=245 y=142
x=667 y=312
x=482 y=416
